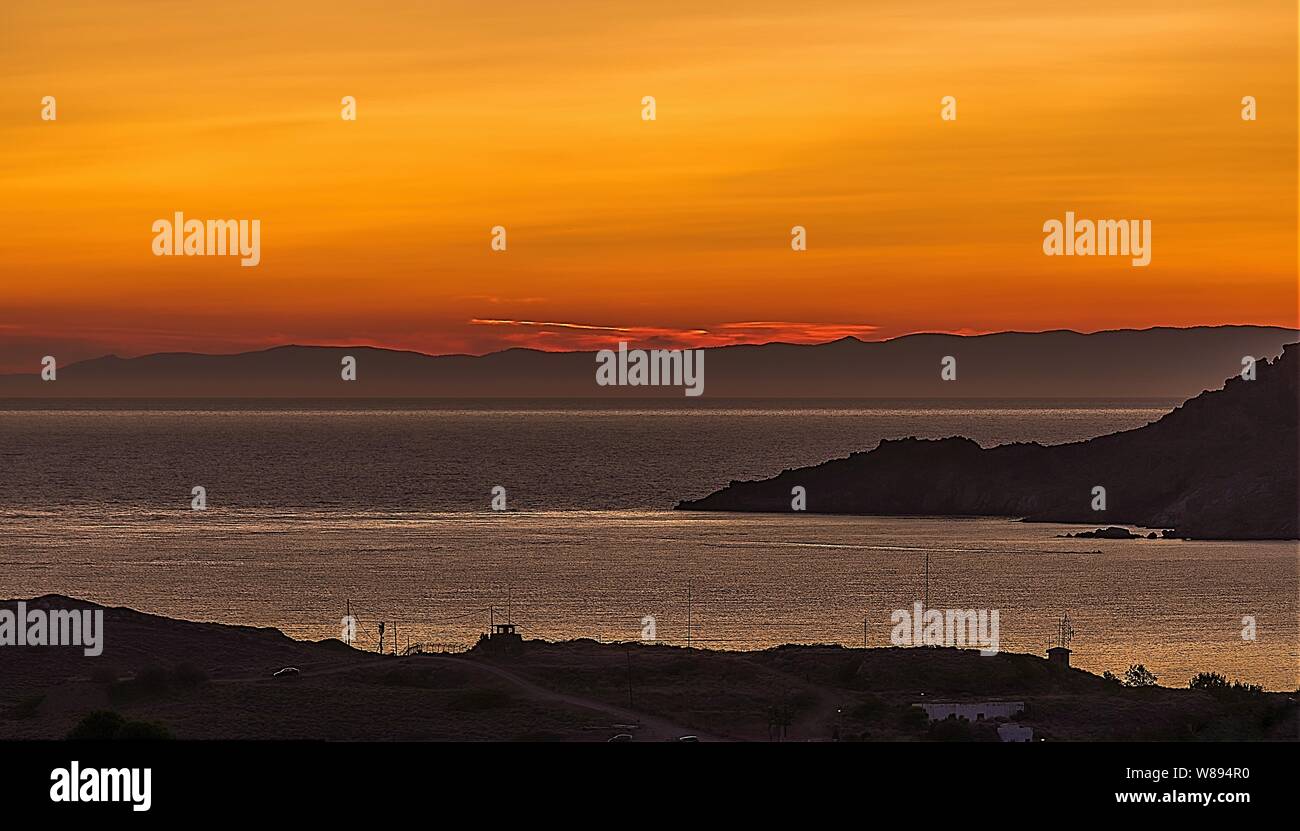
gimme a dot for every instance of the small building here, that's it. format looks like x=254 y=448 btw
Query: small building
x=1059 y=655
x=502 y=638
x=972 y=710
x=1015 y=733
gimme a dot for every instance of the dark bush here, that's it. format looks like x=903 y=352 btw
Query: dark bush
x=154 y=681
x=97 y=726
x=1208 y=681
x=1139 y=676
x=913 y=718
x=105 y=725
x=951 y=730
x=1213 y=682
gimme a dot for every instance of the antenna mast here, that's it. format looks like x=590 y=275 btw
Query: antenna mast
x=1065 y=631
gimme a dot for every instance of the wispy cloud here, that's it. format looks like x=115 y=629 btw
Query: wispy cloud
x=565 y=335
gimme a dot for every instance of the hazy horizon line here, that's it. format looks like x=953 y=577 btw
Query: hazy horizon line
x=631 y=343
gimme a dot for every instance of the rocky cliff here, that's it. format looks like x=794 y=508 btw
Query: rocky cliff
x=1220 y=466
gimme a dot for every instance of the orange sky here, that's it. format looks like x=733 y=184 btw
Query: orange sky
x=770 y=114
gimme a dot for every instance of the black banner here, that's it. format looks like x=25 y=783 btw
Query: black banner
x=323 y=780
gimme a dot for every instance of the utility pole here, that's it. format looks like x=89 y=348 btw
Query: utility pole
x=864 y=633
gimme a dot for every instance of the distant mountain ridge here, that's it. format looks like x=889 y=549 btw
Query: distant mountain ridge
x=1221 y=466
x=1148 y=363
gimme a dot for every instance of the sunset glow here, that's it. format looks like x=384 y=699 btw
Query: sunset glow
x=676 y=230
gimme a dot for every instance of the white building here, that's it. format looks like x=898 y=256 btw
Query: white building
x=1015 y=733
x=972 y=711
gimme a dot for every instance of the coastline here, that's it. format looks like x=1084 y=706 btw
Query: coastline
x=211 y=681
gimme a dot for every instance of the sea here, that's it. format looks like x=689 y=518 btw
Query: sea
x=384 y=510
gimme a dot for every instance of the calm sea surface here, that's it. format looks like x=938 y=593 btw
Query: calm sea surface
x=389 y=508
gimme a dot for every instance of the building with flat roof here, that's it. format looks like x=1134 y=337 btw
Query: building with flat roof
x=501 y=638
x=1059 y=655
x=971 y=710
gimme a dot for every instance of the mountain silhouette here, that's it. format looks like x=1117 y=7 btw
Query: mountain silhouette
x=1220 y=466
x=1150 y=363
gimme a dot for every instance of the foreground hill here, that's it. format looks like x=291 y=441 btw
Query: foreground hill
x=1156 y=363
x=1220 y=466
x=212 y=681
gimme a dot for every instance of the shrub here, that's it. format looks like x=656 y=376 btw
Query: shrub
x=1208 y=681
x=913 y=718
x=105 y=725
x=97 y=726
x=153 y=681
x=1213 y=682
x=951 y=730
x=1139 y=676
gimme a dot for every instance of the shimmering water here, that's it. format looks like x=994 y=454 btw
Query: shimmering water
x=389 y=509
